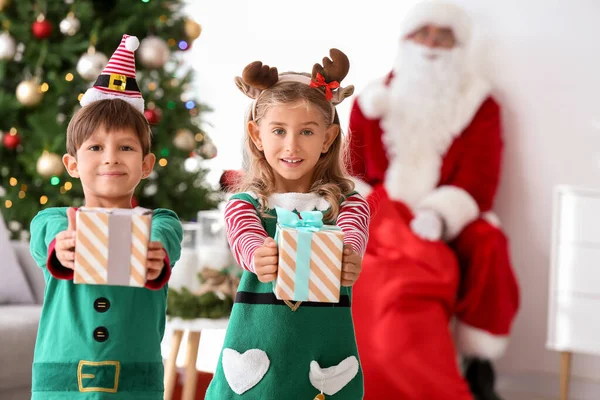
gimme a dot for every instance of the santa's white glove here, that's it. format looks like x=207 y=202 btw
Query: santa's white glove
x=428 y=225
x=374 y=100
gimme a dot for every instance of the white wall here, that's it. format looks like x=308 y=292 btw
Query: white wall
x=543 y=58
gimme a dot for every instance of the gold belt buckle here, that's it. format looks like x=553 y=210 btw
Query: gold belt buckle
x=81 y=376
x=117 y=77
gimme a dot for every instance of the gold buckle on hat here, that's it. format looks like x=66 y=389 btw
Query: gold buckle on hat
x=117 y=77
x=81 y=376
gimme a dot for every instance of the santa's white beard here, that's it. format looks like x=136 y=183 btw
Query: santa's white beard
x=420 y=121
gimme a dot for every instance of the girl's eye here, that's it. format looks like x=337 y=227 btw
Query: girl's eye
x=94 y=148
x=306 y=132
x=126 y=148
x=278 y=131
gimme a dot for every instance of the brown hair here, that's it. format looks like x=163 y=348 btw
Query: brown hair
x=330 y=178
x=112 y=114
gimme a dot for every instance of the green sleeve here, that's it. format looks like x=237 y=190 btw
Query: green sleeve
x=167 y=229
x=44 y=228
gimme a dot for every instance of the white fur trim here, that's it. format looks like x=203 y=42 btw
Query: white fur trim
x=373 y=99
x=441 y=14
x=333 y=379
x=475 y=342
x=298 y=201
x=362 y=187
x=456 y=206
x=244 y=371
x=474 y=92
x=492 y=218
x=132 y=43
x=92 y=94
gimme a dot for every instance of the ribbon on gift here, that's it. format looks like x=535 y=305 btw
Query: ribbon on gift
x=306 y=224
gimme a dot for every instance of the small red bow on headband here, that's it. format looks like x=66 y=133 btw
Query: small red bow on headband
x=328 y=86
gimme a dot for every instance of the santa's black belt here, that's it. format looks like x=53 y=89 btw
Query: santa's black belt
x=269 y=298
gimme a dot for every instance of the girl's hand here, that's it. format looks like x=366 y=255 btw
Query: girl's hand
x=266 y=260
x=155 y=260
x=351 y=266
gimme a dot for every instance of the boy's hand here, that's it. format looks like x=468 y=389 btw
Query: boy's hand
x=65 y=242
x=266 y=259
x=155 y=260
x=351 y=266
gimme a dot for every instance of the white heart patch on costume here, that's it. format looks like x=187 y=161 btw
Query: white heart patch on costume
x=333 y=379
x=244 y=371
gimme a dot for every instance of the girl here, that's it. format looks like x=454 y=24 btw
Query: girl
x=293 y=153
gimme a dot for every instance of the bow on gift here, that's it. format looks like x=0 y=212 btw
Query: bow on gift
x=308 y=220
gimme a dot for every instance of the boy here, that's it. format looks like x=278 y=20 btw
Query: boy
x=99 y=341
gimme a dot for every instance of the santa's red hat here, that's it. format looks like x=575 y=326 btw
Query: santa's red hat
x=117 y=80
x=439 y=13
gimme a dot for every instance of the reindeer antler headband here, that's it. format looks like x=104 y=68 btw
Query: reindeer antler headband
x=256 y=78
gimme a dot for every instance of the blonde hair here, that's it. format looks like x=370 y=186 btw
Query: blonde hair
x=112 y=114
x=330 y=177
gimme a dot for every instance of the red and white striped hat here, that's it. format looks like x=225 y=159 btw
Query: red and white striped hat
x=117 y=80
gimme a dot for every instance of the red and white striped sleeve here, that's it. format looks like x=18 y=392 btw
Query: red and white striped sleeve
x=245 y=232
x=354 y=221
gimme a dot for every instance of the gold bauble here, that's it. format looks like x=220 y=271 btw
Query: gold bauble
x=29 y=93
x=49 y=164
x=192 y=29
x=320 y=396
x=184 y=140
x=4 y=4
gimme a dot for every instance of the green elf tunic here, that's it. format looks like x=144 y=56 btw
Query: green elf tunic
x=99 y=341
x=271 y=351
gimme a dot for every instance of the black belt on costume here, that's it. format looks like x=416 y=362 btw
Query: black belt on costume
x=269 y=298
x=105 y=81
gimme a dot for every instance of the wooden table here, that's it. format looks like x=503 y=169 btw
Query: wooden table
x=194 y=327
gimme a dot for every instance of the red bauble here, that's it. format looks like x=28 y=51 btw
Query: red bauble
x=134 y=202
x=11 y=141
x=153 y=115
x=42 y=29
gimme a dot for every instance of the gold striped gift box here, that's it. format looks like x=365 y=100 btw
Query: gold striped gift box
x=309 y=271
x=111 y=246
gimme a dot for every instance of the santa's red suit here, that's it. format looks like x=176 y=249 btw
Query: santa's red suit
x=411 y=288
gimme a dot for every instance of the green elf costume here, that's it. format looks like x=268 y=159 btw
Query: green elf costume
x=100 y=341
x=280 y=350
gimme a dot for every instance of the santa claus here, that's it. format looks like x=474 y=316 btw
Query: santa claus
x=426 y=145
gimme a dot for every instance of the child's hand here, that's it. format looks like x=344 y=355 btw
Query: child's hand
x=155 y=260
x=351 y=266
x=266 y=259
x=65 y=242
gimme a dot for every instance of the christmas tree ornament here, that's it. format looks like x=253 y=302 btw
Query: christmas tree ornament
x=29 y=93
x=153 y=115
x=8 y=47
x=4 y=4
x=2 y=192
x=11 y=141
x=70 y=25
x=41 y=28
x=49 y=164
x=208 y=150
x=192 y=29
x=184 y=140
x=90 y=65
x=320 y=396
x=154 y=52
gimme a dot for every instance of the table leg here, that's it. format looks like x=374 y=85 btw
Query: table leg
x=565 y=374
x=171 y=367
x=191 y=375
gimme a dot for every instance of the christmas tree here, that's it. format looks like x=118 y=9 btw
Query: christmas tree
x=50 y=53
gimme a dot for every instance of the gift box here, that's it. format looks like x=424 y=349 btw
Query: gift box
x=310 y=257
x=112 y=246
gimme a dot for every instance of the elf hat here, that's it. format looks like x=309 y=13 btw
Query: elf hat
x=117 y=80
x=440 y=13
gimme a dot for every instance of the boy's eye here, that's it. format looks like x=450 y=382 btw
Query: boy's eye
x=306 y=132
x=278 y=131
x=126 y=148
x=94 y=148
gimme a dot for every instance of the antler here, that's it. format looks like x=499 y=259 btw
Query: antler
x=260 y=76
x=335 y=69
